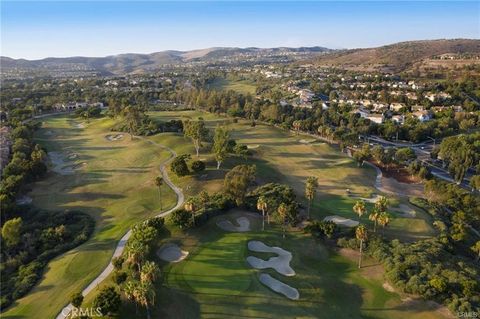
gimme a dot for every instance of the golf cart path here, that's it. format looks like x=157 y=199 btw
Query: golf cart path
x=123 y=241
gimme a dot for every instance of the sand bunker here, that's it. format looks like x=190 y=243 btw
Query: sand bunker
x=280 y=287
x=114 y=137
x=24 y=200
x=253 y=146
x=60 y=166
x=339 y=220
x=281 y=263
x=243 y=222
x=79 y=125
x=172 y=253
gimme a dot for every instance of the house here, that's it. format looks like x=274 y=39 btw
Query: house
x=397 y=106
x=376 y=118
x=399 y=119
x=422 y=116
x=416 y=108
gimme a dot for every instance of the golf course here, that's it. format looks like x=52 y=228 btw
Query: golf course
x=111 y=177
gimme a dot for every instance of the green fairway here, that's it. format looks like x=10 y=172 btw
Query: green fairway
x=240 y=86
x=113 y=183
x=215 y=281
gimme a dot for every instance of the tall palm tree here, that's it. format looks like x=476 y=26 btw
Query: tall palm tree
x=359 y=208
x=190 y=207
x=159 y=183
x=384 y=220
x=262 y=206
x=150 y=272
x=145 y=295
x=381 y=204
x=374 y=215
x=361 y=234
x=282 y=212
x=136 y=252
x=310 y=191
x=476 y=249
x=297 y=125
x=130 y=290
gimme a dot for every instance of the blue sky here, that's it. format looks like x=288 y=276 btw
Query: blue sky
x=42 y=29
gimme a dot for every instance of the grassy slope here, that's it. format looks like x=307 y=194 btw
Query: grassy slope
x=244 y=86
x=115 y=187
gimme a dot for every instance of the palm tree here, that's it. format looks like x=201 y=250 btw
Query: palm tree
x=130 y=291
x=374 y=215
x=282 y=213
x=381 y=204
x=145 y=295
x=204 y=198
x=310 y=190
x=150 y=272
x=136 y=252
x=296 y=125
x=190 y=207
x=159 y=183
x=384 y=220
x=262 y=206
x=361 y=234
x=359 y=208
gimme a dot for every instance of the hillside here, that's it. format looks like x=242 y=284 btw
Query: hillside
x=398 y=57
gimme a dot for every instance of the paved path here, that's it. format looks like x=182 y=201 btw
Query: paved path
x=123 y=241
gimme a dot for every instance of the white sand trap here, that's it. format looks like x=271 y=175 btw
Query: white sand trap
x=79 y=125
x=281 y=263
x=243 y=225
x=172 y=253
x=280 y=287
x=405 y=211
x=303 y=141
x=339 y=220
x=24 y=200
x=114 y=137
x=60 y=166
x=253 y=146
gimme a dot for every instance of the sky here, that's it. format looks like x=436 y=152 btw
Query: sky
x=38 y=29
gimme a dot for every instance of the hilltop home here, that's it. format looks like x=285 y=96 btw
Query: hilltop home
x=422 y=116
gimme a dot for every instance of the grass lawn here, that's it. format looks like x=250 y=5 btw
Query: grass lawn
x=115 y=186
x=215 y=281
x=240 y=86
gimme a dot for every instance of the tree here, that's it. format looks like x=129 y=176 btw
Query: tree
x=145 y=295
x=362 y=236
x=180 y=218
x=262 y=206
x=242 y=151
x=282 y=213
x=198 y=166
x=117 y=263
x=130 y=290
x=374 y=215
x=384 y=220
x=359 y=208
x=107 y=301
x=310 y=191
x=136 y=252
x=149 y=272
x=381 y=203
x=237 y=181
x=159 y=183
x=76 y=299
x=196 y=131
x=220 y=144
x=132 y=118
x=475 y=182
x=11 y=231
x=190 y=207
x=405 y=154
x=476 y=249
x=179 y=165
x=297 y=125
x=204 y=198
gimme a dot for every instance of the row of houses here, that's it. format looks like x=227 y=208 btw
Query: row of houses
x=70 y=106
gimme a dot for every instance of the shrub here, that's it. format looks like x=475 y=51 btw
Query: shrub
x=119 y=277
x=76 y=299
x=198 y=166
x=179 y=166
x=180 y=218
x=108 y=301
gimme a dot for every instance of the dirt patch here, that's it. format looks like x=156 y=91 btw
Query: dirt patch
x=388 y=287
x=304 y=141
x=398 y=173
x=342 y=221
x=243 y=225
x=280 y=263
x=280 y=287
x=114 y=137
x=171 y=253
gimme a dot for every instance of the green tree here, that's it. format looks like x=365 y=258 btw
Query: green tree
x=310 y=191
x=196 y=131
x=76 y=299
x=237 y=181
x=262 y=206
x=282 y=214
x=198 y=166
x=476 y=249
x=108 y=301
x=374 y=215
x=149 y=272
x=383 y=220
x=475 y=182
x=220 y=144
x=136 y=252
x=179 y=165
x=145 y=295
x=11 y=231
x=362 y=236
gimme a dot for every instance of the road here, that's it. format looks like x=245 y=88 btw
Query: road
x=123 y=241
